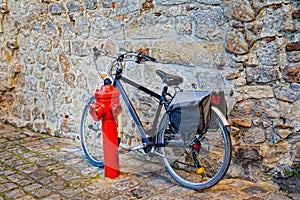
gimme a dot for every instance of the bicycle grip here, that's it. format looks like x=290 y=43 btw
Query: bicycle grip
x=145 y=57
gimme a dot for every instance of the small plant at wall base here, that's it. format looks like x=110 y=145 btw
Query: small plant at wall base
x=295 y=171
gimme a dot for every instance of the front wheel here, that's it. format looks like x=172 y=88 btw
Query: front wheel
x=203 y=160
x=91 y=137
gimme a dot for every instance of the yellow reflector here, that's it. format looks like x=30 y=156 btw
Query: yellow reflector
x=200 y=170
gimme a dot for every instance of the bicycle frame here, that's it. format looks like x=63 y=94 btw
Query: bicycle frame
x=203 y=158
x=132 y=111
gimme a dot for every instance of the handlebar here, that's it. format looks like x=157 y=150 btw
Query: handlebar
x=120 y=57
x=137 y=57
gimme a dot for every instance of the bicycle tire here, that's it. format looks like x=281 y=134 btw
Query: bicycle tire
x=199 y=168
x=91 y=137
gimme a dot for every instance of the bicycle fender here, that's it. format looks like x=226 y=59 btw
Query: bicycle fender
x=220 y=114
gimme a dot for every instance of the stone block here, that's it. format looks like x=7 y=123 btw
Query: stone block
x=264 y=74
x=7 y=82
x=256 y=92
x=242 y=11
x=52 y=64
x=81 y=81
x=247 y=155
x=123 y=7
x=45 y=44
x=80 y=48
x=293 y=56
x=37 y=27
x=184 y=25
x=171 y=3
x=242 y=121
x=252 y=74
x=36 y=113
x=241 y=81
x=3 y=67
x=269 y=52
x=90 y=4
x=64 y=62
x=271 y=152
x=286 y=94
x=195 y=53
x=236 y=44
x=211 y=24
x=273 y=22
x=101 y=28
x=51 y=29
x=67 y=31
x=70 y=78
x=147 y=5
x=26 y=115
x=296 y=14
x=146 y=27
x=293 y=46
x=241 y=114
x=10 y=99
x=17 y=111
x=82 y=28
x=73 y=7
x=106 y=4
x=210 y=2
x=39 y=74
x=29 y=58
x=291 y=74
x=283 y=133
x=295 y=86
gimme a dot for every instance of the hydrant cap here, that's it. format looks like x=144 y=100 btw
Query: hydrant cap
x=107 y=91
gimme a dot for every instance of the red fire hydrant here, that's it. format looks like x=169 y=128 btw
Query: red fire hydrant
x=107 y=108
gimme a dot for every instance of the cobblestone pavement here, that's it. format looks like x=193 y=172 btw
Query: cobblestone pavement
x=38 y=166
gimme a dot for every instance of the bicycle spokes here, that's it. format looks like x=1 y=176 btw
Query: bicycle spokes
x=200 y=163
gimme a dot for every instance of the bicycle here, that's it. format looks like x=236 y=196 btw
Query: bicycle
x=196 y=162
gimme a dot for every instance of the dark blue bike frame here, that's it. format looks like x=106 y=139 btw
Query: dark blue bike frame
x=132 y=110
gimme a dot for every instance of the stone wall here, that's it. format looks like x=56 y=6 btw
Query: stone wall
x=250 y=49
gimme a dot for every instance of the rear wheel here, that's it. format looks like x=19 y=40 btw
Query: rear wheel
x=200 y=162
x=91 y=137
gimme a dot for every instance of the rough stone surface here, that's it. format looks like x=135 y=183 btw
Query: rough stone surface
x=292 y=74
x=236 y=44
x=248 y=49
x=59 y=170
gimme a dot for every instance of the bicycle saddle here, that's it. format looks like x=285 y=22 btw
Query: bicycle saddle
x=169 y=79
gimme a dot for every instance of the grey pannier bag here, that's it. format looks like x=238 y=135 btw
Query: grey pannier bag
x=189 y=113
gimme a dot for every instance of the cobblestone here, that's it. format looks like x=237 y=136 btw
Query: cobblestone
x=38 y=166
